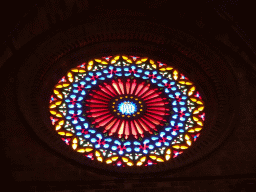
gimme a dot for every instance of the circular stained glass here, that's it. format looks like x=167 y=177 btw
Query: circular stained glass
x=127 y=111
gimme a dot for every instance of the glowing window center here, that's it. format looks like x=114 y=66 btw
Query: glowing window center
x=127 y=108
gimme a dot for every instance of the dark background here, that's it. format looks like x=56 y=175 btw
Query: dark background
x=30 y=166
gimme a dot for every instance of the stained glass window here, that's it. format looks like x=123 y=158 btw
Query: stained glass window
x=127 y=111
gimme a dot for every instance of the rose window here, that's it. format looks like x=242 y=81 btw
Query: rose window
x=127 y=111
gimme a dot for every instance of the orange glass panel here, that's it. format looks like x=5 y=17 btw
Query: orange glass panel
x=101 y=118
x=114 y=84
x=145 y=127
x=155 y=100
x=158 y=108
x=114 y=128
x=121 y=129
x=121 y=85
x=98 y=105
x=156 y=122
x=110 y=124
x=152 y=96
x=140 y=86
x=96 y=101
x=156 y=112
x=144 y=90
x=98 y=114
x=106 y=90
x=140 y=130
x=127 y=129
x=148 y=93
x=134 y=130
x=110 y=88
x=133 y=86
x=149 y=123
x=128 y=85
x=155 y=116
x=101 y=93
x=104 y=122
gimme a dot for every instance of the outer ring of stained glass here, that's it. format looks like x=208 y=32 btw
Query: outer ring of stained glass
x=86 y=139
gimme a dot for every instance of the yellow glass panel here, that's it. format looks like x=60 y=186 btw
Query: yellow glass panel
x=100 y=159
x=143 y=159
x=198 y=129
x=114 y=158
x=176 y=146
x=89 y=68
x=183 y=147
x=98 y=60
x=189 y=143
x=57 y=127
x=108 y=161
x=65 y=84
x=58 y=102
x=90 y=63
x=113 y=61
x=193 y=99
x=81 y=150
x=88 y=149
x=130 y=164
x=69 y=74
x=97 y=153
x=200 y=123
x=61 y=122
x=74 y=146
x=125 y=159
x=195 y=118
x=61 y=133
x=124 y=57
x=186 y=137
x=58 y=115
x=53 y=112
x=70 y=79
x=116 y=57
x=201 y=108
x=75 y=140
x=82 y=71
x=56 y=92
x=159 y=159
x=129 y=60
x=58 y=86
x=196 y=112
x=74 y=70
x=52 y=106
x=152 y=157
x=168 y=151
x=151 y=62
x=104 y=62
x=139 y=163
x=60 y=96
x=167 y=157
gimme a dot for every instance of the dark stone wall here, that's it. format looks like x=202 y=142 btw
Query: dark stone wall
x=29 y=164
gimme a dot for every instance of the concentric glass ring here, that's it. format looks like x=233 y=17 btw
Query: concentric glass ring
x=127 y=111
